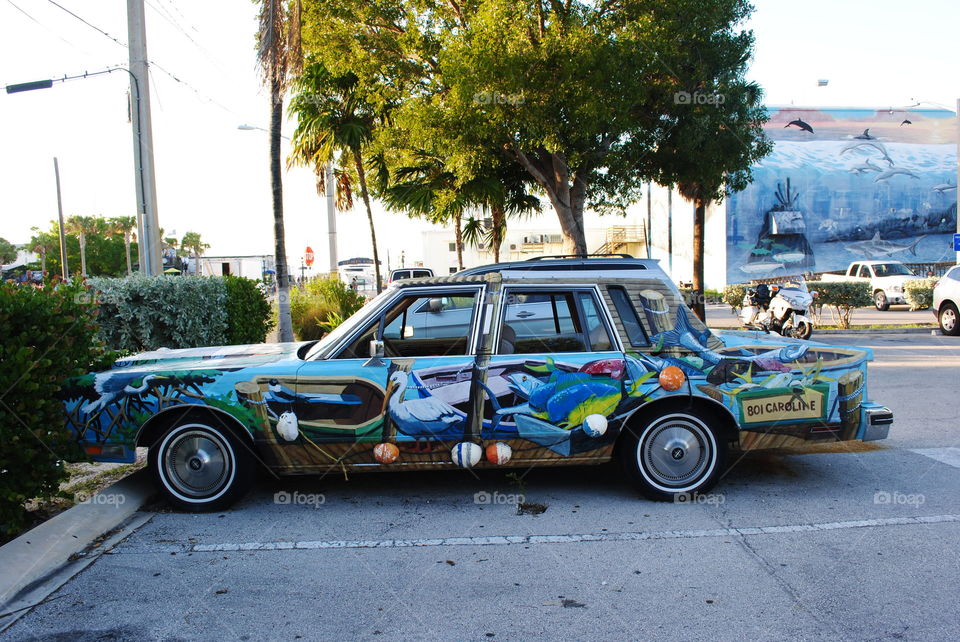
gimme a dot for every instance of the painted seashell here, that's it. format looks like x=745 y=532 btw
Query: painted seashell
x=386 y=453
x=466 y=454
x=595 y=425
x=672 y=378
x=288 y=427
x=499 y=453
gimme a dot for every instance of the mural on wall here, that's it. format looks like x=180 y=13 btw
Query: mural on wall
x=844 y=185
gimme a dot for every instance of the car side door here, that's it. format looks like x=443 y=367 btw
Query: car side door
x=415 y=393
x=555 y=379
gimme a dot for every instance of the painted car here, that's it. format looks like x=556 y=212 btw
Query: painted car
x=608 y=363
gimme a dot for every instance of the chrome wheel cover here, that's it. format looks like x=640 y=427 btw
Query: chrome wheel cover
x=197 y=463
x=676 y=452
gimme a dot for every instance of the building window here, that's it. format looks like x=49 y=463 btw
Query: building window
x=453 y=270
x=453 y=247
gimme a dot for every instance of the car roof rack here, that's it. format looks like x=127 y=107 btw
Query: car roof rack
x=580 y=256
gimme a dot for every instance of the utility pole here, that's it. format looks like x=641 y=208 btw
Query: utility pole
x=331 y=219
x=148 y=225
x=64 y=270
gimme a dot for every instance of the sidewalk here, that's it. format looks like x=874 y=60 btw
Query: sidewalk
x=719 y=315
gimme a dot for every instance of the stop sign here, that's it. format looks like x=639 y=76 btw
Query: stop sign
x=308 y=256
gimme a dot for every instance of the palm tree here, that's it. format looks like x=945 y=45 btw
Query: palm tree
x=334 y=120
x=279 y=55
x=125 y=225
x=82 y=226
x=192 y=243
x=428 y=189
x=41 y=244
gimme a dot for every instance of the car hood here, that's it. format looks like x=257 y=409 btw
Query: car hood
x=214 y=357
x=733 y=339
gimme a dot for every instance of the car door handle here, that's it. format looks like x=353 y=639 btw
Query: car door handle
x=524 y=315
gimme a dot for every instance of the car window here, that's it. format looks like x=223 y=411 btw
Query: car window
x=415 y=274
x=537 y=321
x=597 y=333
x=954 y=274
x=628 y=316
x=854 y=269
x=419 y=325
x=865 y=271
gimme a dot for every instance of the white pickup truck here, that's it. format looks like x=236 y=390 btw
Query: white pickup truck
x=886 y=279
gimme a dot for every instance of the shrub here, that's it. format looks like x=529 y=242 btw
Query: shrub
x=919 y=293
x=145 y=313
x=733 y=296
x=842 y=297
x=320 y=306
x=249 y=317
x=48 y=335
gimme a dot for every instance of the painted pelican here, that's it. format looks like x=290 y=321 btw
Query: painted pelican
x=114 y=387
x=420 y=417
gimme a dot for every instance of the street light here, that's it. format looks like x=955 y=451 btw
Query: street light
x=147 y=223
x=331 y=209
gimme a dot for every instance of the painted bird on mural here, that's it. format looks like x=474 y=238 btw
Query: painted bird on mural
x=421 y=416
x=113 y=387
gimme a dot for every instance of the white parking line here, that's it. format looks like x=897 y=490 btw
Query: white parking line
x=506 y=540
x=949 y=456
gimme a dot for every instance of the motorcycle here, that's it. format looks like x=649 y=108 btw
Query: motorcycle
x=779 y=308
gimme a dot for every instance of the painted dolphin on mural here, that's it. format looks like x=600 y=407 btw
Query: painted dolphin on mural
x=799 y=123
x=874 y=144
x=943 y=188
x=866 y=167
x=877 y=247
x=896 y=171
x=865 y=135
x=761 y=268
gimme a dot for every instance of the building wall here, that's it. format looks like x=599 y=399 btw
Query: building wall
x=860 y=183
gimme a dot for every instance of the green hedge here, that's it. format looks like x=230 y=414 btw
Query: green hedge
x=733 y=296
x=249 y=317
x=919 y=293
x=48 y=335
x=842 y=297
x=145 y=313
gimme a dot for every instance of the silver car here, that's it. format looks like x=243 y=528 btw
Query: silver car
x=946 y=302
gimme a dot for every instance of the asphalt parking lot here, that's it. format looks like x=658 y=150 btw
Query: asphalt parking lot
x=855 y=544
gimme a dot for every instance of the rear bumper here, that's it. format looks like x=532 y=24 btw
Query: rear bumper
x=876 y=422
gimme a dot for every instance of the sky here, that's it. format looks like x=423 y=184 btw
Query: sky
x=213 y=178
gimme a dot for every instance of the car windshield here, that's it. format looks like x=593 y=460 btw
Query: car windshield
x=344 y=328
x=891 y=269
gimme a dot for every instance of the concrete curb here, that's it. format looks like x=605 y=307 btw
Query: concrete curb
x=856 y=330
x=40 y=552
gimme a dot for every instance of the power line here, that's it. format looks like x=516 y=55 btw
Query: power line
x=92 y=26
x=59 y=37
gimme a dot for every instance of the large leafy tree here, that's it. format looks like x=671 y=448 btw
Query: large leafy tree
x=335 y=122
x=578 y=94
x=279 y=56
x=8 y=251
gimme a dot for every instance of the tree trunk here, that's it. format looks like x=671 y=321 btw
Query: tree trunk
x=83 y=254
x=43 y=263
x=276 y=185
x=358 y=161
x=496 y=234
x=458 y=236
x=567 y=194
x=126 y=245
x=699 y=219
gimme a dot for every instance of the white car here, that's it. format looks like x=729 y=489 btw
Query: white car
x=946 y=301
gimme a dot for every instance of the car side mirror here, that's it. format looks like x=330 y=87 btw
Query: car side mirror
x=434 y=305
x=376 y=354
